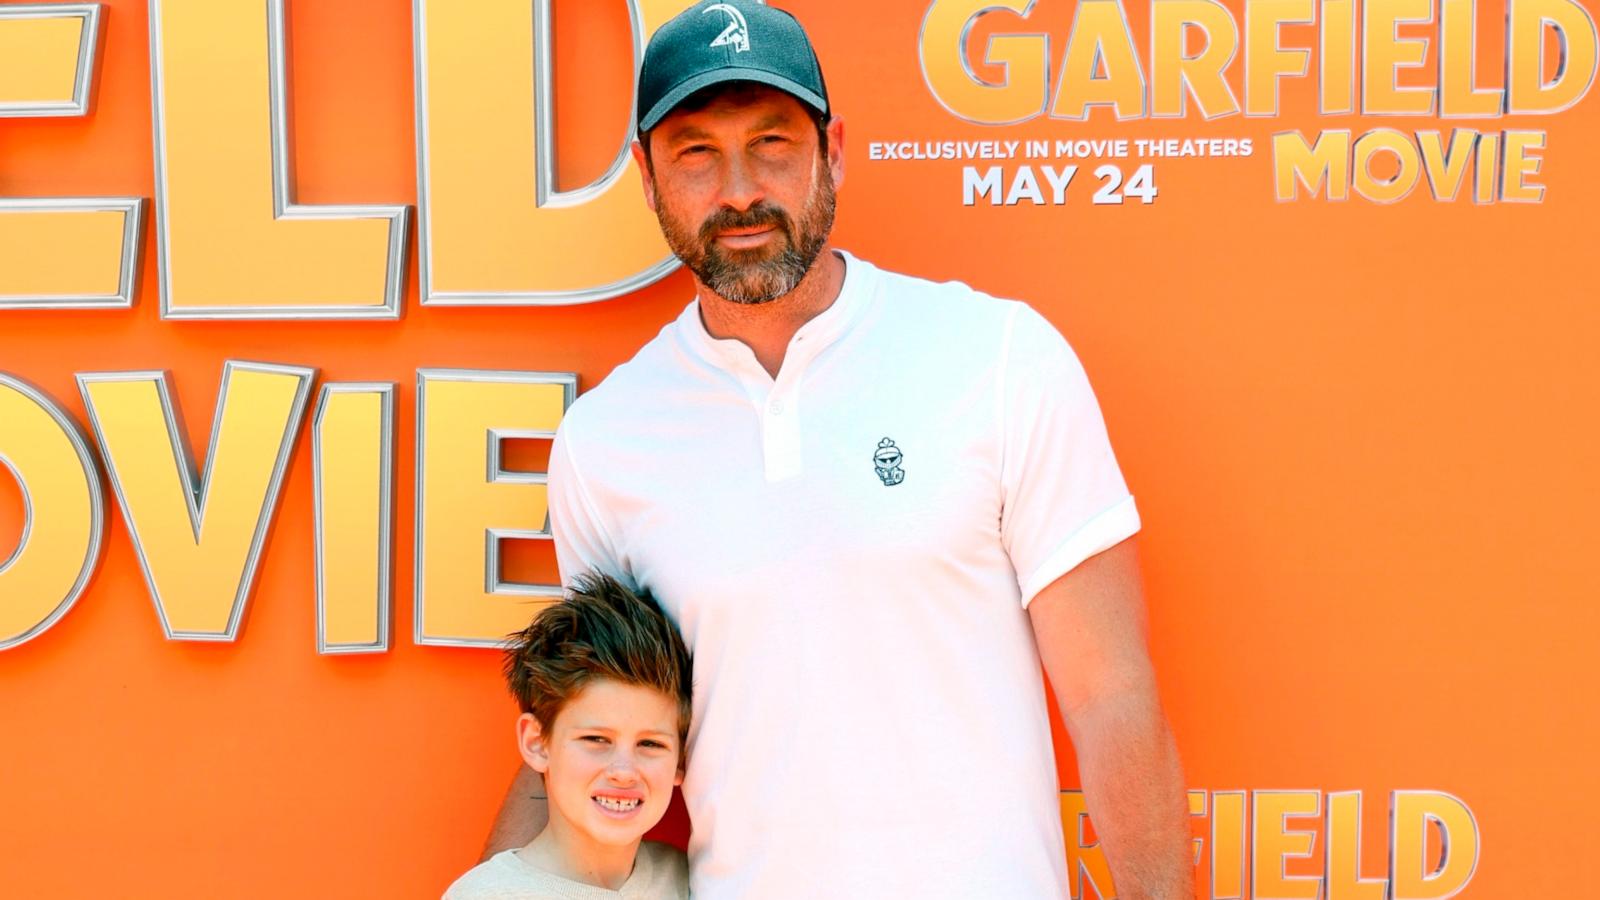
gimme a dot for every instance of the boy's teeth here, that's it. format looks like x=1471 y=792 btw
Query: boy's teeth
x=616 y=805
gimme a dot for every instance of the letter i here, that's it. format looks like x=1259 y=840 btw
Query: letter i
x=1486 y=180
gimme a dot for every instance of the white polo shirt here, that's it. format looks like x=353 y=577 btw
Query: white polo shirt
x=849 y=550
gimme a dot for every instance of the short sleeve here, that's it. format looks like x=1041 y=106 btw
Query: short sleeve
x=1064 y=498
x=582 y=542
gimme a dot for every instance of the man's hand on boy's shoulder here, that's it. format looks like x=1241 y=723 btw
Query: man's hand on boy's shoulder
x=523 y=813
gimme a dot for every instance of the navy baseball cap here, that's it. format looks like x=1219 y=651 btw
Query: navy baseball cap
x=728 y=40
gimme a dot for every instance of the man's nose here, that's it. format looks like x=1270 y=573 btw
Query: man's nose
x=740 y=189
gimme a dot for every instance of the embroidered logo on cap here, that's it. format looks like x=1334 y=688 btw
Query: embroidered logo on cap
x=736 y=35
x=887 y=462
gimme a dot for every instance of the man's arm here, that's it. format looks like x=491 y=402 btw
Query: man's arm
x=522 y=814
x=1090 y=627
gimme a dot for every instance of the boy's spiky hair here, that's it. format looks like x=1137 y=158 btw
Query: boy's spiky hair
x=599 y=630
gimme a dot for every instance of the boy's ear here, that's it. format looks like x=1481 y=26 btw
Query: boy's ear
x=530 y=741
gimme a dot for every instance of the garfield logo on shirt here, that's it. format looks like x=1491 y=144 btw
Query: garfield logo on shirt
x=887 y=462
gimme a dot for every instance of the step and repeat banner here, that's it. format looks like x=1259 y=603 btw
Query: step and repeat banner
x=293 y=295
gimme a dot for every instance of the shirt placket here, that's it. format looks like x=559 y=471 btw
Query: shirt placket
x=780 y=424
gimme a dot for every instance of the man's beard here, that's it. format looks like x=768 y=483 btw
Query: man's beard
x=761 y=274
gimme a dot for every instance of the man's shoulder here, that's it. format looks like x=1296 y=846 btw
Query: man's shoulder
x=950 y=318
x=631 y=387
x=956 y=296
x=963 y=301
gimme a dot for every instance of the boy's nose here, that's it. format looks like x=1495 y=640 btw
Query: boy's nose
x=622 y=769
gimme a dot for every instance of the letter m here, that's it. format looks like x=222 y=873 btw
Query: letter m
x=1328 y=161
x=974 y=186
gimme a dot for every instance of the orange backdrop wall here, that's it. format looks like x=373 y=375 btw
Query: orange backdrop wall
x=1361 y=434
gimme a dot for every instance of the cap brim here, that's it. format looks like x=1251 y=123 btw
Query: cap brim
x=683 y=89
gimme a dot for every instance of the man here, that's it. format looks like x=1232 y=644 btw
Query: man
x=873 y=505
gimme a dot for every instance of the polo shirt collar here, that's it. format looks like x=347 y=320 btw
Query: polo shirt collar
x=826 y=327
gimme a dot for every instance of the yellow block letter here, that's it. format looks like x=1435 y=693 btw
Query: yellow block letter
x=467 y=504
x=1024 y=58
x=1384 y=52
x=1273 y=843
x=64 y=512
x=1486 y=168
x=78 y=253
x=1265 y=61
x=47 y=55
x=1337 y=86
x=1197 y=809
x=1100 y=40
x=1446 y=170
x=1342 y=859
x=198 y=544
x=1385 y=190
x=1227 y=845
x=494 y=230
x=232 y=242
x=1458 y=53
x=1526 y=21
x=1522 y=162
x=1204 y=74
x=352 y=469
x=1412 y=813
x=1328 y=161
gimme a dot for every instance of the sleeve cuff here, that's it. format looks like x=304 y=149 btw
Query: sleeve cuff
x=1104 y=531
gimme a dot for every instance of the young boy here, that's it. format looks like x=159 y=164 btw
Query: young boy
x=603 y=680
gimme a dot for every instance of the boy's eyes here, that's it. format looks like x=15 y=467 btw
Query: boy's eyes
x=602 y=739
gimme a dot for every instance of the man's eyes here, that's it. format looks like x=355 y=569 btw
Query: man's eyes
x=693 y=151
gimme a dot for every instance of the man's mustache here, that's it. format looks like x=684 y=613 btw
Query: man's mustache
x=762 y=213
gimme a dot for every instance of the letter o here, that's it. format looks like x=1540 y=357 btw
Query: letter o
x=64 y=519
x=1386 y=190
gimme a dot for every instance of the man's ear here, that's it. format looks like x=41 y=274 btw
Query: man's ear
x=835 y=129
x=531 y=743
x=644 y=174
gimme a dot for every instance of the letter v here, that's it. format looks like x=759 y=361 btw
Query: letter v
x=198 y=545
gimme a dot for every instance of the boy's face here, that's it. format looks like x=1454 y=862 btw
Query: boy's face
x=609 y=759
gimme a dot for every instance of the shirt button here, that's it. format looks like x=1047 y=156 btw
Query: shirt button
x=776 y=407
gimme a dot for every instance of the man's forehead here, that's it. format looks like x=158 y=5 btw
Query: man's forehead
x=747 y=105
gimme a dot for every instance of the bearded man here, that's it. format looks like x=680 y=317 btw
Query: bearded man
x=874 y=505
